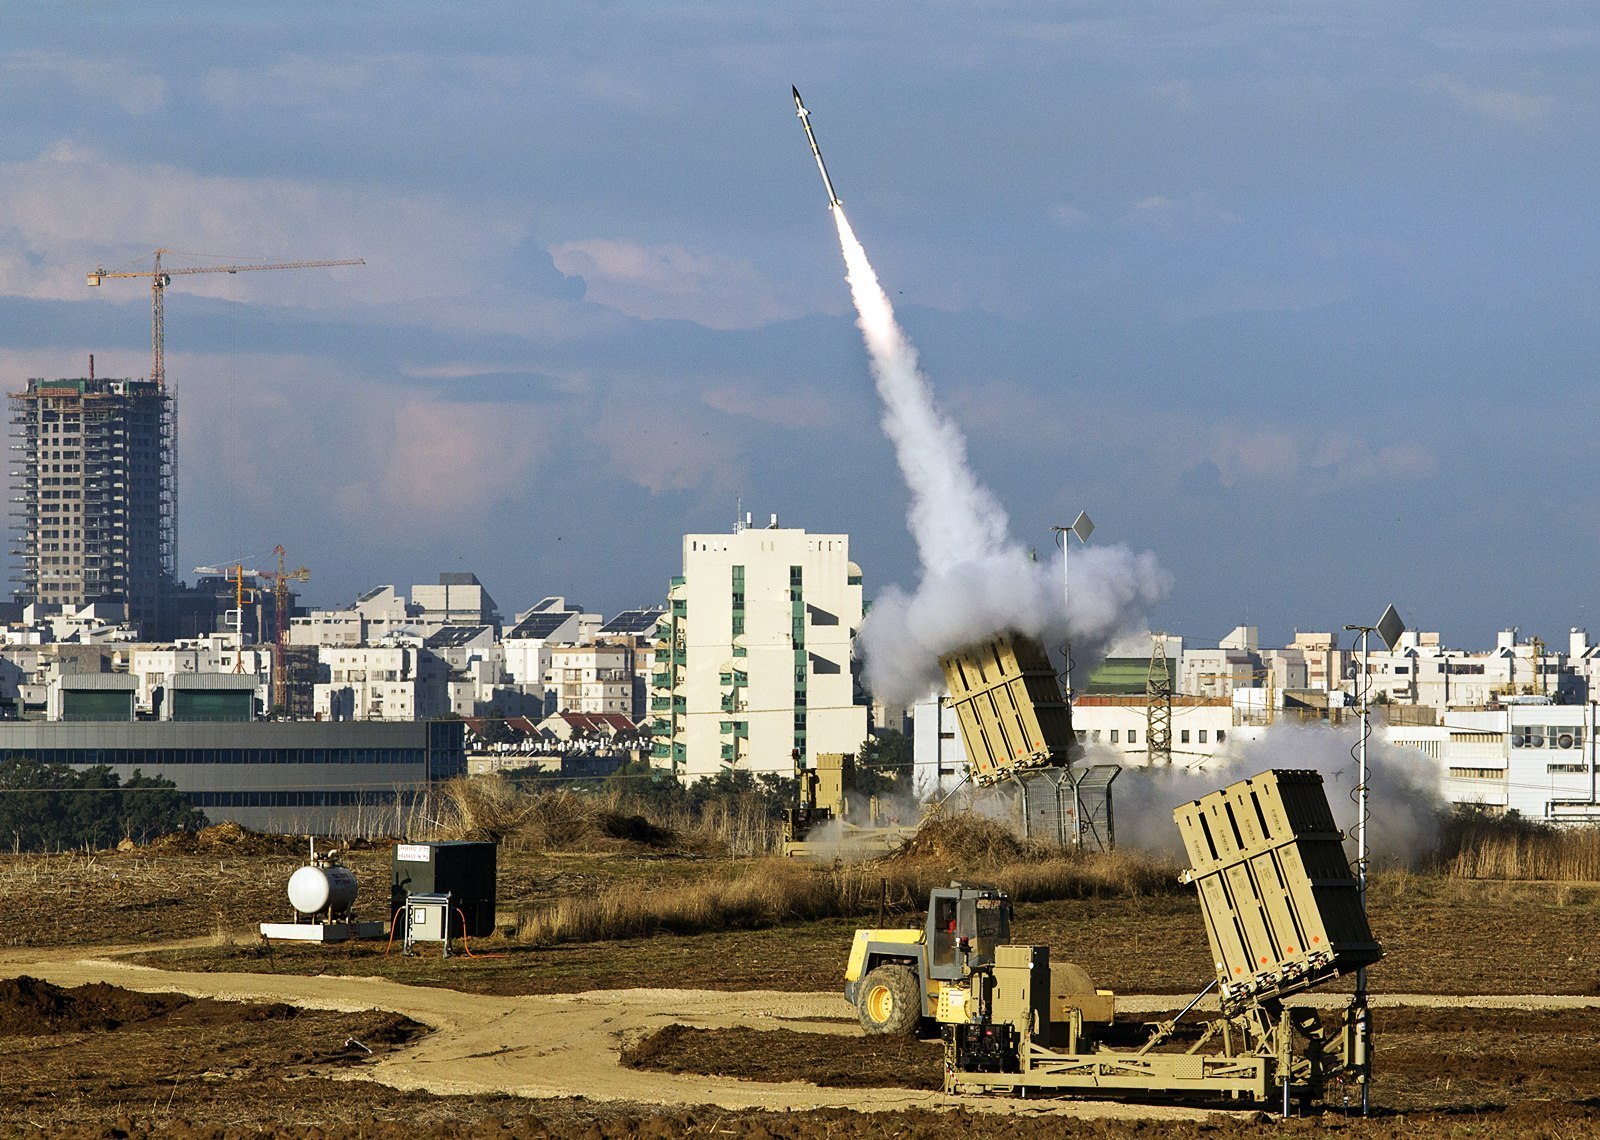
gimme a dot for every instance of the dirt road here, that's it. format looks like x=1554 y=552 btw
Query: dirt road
x=565 y=1045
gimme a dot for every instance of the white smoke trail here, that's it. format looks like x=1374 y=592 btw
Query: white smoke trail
x=975 y=580
x=1405 y=797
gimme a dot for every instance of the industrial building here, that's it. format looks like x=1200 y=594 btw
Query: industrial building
x=94 y=495
x=753 y=661
x=349 y=778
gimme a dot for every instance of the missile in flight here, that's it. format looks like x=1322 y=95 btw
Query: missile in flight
x=805 y=122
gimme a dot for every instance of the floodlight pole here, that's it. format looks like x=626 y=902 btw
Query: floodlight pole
x=1359 y=1001
x=1083 y=527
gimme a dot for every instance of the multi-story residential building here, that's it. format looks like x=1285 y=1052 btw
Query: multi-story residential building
x=1234 y=664
x=1324 y=660
x=591 y=679
x=95 y=494
x=538 y=631
x=636 y=630
x=395 y=681
x=1531 y=757
x=754 y=661
x=382 y=610
x=458 y=599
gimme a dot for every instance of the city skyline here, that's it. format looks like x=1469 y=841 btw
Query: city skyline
x=1298 y=305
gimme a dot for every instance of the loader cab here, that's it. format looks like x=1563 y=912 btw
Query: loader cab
x=965 y=924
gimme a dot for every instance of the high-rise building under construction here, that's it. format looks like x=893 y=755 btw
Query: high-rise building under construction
x=94 y=495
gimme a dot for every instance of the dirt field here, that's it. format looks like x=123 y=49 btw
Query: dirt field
x=730 y=1032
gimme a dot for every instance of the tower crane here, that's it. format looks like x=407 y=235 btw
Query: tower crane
x=236 y=574
x=160 y=278
x=280 y=646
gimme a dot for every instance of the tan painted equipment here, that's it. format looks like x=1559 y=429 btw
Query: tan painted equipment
x=822 y=824
x=1283 y=917
x=1009 y=704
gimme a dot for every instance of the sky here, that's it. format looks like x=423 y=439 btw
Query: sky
x=1300 y=298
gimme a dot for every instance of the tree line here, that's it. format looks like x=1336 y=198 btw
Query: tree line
x=53 y=807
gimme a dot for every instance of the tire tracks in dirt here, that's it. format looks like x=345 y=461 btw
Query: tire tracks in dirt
x=566 y=1045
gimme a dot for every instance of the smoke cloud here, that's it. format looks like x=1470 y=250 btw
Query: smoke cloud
x=976 y=581
x=1405 y=796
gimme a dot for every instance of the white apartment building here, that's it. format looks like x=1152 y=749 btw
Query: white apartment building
x=380 y=611
x=458 y=599
x=1423 y=672
x=591 y=679
x=1536 y=759
x=529 y=643
x=382 y=682
x=754 y=662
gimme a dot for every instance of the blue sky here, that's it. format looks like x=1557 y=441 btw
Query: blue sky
x=1299 y=297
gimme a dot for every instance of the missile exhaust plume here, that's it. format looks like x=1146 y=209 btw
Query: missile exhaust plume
x=976 y=581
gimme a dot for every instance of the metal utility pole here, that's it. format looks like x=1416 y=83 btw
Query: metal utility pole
x=1389 y=627
x=1083 y=527
x=1158 y=705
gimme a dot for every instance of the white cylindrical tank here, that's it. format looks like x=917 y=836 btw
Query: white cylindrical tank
x=313 y=890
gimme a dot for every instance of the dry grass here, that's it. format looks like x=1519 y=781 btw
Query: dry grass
x=493 y=808
x=1475 y=847
x=772 y=892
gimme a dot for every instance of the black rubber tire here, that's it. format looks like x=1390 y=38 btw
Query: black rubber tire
x=890 y=1002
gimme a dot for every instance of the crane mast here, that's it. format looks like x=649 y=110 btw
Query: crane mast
x=161 y=277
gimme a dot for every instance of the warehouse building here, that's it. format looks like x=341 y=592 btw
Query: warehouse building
x=294 y=777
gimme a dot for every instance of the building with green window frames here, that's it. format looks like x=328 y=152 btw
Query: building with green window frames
x=754 y=656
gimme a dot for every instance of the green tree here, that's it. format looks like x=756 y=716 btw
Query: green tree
x=883 y=762
x=153 y=806
x=47 y=807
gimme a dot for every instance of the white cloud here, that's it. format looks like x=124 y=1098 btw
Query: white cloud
x=673 y=282
x=1288 y=455
x=1171 y=215
x=1066 y=214
x=73 y=208
x=1499 y=103
x=135 y=90
x=267 y=441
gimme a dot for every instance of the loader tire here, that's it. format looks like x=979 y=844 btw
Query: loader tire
x=890 y=1002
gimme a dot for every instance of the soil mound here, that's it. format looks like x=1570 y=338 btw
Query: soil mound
x=32 y=1008
x=786 y=1055
x=495 y=809
x=228 y=839
x=962 y=839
